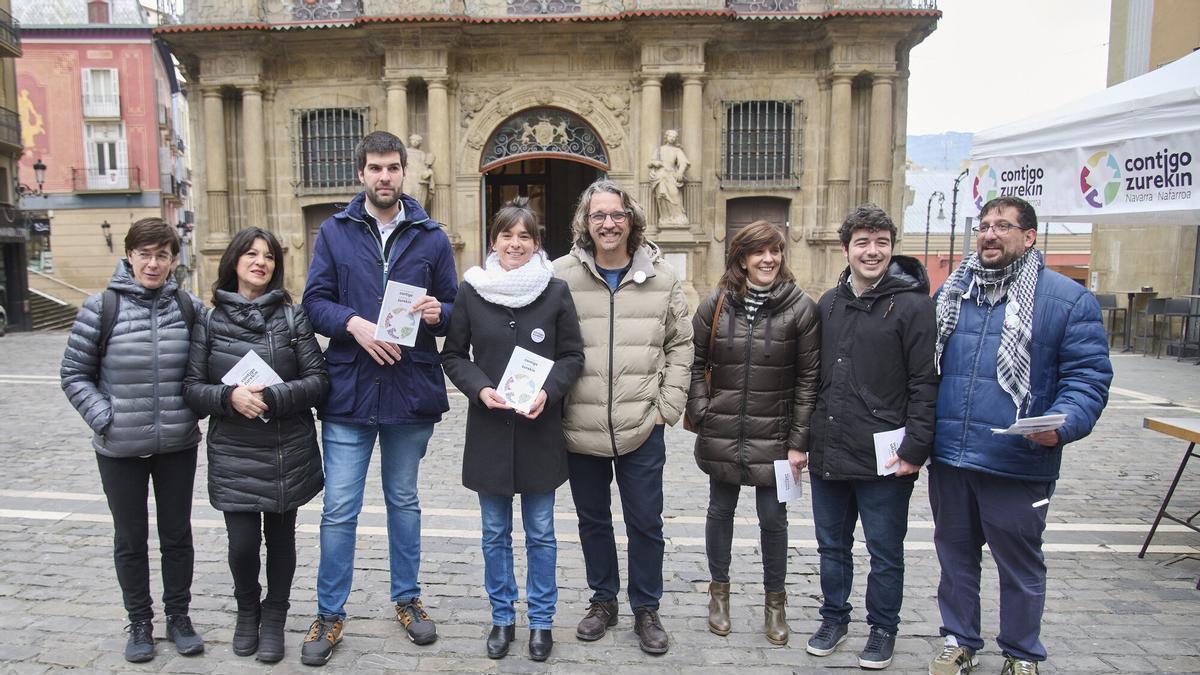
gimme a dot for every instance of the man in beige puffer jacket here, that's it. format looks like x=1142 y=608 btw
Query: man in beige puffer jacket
x=637 y=352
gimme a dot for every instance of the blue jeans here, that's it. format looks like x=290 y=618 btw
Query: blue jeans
x=882 y=506
x=640 y=481
x=541 y=549
x=348 y=449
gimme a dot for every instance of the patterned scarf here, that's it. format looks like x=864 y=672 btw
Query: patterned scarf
x=511 y=288
x=1020 y=278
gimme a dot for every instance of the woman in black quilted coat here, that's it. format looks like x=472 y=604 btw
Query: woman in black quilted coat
x=765 y=365
x=263 y=459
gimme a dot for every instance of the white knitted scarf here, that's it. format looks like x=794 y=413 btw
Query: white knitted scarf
x=511 y=288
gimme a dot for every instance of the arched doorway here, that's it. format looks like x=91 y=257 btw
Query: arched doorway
x=549 y=155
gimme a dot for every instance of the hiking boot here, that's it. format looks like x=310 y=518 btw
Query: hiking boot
x=323 y=635
x=140 y=646
x=599 y=618
x=718 y=607
x=953 y=659
x=180 y=631
x=775 y=618
x=1015 y=666
x=270 y=633
x=652 y=638
x=827 y=638
x=245 y=631
x=416 y=622
x=877 y=655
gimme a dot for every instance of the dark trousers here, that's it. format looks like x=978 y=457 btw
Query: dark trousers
x=971 y=508
x=882 y=507
x=639 y=479
x=772 y=530
x=247 y=529
x=125 y=482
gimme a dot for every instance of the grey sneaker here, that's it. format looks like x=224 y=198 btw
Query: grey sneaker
x=953 y=659
x=877 y=655
x=827 y=638
x=140 y=646
x=1015 y=666
x=180 y=631
x=416 y=622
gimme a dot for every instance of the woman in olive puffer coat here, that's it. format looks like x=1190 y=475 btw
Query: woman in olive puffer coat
x=765 y=363
x=263 y=456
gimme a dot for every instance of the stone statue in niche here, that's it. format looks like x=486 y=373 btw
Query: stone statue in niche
x=418 y=177
x=666 y=179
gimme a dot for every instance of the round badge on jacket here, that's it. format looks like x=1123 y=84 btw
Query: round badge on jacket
x=538 y=335
x=639 y=277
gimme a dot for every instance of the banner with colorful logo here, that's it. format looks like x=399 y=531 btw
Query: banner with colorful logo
x=1154 y=178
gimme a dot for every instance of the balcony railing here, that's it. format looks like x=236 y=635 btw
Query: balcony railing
x=10 y=35
x=114 y=180
x=106 y=106
x=10 y=128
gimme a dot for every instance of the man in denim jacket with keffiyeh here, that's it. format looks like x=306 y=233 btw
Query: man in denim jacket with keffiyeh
x=1015 y=340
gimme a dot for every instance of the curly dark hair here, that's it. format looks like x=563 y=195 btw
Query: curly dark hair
x=866 y=217
x=637 y=217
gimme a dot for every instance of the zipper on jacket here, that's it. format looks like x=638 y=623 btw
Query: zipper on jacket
x=983 y=331
x=741 y=446
x=157 y=369
x=612 y=319
x=275 y=421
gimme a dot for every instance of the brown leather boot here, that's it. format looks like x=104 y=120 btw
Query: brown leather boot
x=775 y=615
x=718 y=607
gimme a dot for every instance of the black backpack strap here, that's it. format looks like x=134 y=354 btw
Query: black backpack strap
x=186 y=308
x=110 y=304
x=289 y=313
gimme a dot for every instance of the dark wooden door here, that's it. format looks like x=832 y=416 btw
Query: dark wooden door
x=745 y=210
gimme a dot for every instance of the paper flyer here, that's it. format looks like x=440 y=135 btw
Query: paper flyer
x=1032 y=425
x=251 y=369
x=523 y=378
x=887 y=444
x=396 y=322
x=787 y=488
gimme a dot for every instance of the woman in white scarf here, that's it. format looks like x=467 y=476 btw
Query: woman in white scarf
x=515 y=301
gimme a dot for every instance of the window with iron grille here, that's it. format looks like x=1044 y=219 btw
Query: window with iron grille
x=760 y=144
x=323 y=141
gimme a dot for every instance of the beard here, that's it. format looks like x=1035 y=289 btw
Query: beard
x=383 y=203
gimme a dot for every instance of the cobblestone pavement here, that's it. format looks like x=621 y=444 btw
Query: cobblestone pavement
x=1107 y=611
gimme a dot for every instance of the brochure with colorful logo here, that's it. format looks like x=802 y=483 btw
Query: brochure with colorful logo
x=396 y=321
x=523 y=378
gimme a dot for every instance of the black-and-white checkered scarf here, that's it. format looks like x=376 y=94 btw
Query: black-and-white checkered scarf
x=1020 y=278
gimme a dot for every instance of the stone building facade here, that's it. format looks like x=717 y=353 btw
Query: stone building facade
x=788 y=110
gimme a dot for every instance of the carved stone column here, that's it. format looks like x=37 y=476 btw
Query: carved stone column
x=216 y=185
x=397 y=108
x=879 y=163
x=439 y=145
x=693 y=128
x=839 y=148
x=651 y=121
x=254 y=149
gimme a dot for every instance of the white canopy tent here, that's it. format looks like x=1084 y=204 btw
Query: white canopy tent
x=1128 y=154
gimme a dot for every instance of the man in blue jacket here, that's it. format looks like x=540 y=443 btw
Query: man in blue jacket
x=1015 y=340
x=377 y=389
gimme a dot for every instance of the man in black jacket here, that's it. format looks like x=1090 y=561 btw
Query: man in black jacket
x=877 y=376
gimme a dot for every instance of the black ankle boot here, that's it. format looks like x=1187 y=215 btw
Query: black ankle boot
x=541 y=641
x=270 y=632
x=498 y=640
x=245 y=631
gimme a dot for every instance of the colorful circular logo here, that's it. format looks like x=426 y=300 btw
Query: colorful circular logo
x=1100 y=179
x=985 y=187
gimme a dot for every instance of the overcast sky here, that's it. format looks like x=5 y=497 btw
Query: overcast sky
x=991 y=62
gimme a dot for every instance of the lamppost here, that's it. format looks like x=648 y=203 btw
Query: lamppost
x=39 y=176
x=954 y=218
x=107 y=230
x=941 y=216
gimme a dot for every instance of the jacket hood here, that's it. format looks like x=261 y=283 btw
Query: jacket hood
x=905 y=274
x=123 y=281
x=413 y=213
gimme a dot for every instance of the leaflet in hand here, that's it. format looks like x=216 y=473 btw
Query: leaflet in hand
x=1032 y=425
x=397 y=323
x=523 y=378
x=887 y=444
x=787 y=487
x=251 y=369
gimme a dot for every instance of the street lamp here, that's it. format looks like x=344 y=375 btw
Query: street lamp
x=39 y=176
x=107 y=230
x=953 y=218
x=941 y=217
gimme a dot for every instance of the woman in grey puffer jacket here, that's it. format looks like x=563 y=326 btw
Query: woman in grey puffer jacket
x=263 y=459
x=129 y=390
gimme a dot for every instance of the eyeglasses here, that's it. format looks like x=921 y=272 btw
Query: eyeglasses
x=162 y=257
x=618 y=217
x=998 y=228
